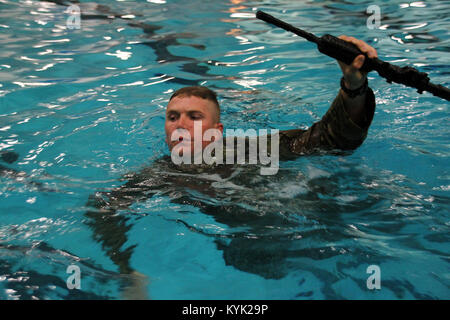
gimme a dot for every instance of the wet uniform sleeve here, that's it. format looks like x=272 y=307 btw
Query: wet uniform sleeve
x=111 y=228
x=335 y=131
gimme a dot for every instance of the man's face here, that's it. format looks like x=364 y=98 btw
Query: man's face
x=181 y=113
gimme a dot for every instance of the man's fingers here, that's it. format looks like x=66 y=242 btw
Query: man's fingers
x=364 y=47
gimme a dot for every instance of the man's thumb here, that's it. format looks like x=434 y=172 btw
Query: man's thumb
x=359 y=61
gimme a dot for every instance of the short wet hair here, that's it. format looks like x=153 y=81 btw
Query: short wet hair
x=200 y=92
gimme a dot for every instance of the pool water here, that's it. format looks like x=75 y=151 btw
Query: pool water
x=82 y=107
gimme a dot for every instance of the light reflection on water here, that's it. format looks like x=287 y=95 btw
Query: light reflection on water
x=83 y=107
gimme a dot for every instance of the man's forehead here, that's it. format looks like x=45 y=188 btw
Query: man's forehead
x=191 y=103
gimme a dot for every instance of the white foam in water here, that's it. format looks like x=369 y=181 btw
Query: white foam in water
x=346 y=198
x=314 y=173
x=288 y=190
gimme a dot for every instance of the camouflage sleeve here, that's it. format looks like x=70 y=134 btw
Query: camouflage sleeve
x=335 y=131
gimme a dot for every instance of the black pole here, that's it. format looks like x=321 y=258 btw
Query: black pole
x=347 y=52
x=286 y=26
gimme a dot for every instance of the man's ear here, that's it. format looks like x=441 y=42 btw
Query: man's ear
x=219 y=126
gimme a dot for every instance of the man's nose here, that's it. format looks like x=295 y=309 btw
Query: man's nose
x=182 y=122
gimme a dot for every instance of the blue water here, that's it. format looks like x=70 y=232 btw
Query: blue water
x=84 y=107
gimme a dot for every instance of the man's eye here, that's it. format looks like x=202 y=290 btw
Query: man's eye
x=172 y=117
x=196 y=116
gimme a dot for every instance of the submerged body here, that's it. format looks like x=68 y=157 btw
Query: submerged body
x=221 y=183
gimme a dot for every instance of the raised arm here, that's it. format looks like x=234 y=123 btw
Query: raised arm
x=345 y=125
x=353 y=79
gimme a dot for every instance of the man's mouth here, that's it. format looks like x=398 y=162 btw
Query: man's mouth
x=181 y=140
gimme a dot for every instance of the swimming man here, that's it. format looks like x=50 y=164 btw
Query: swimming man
x=343 y=127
